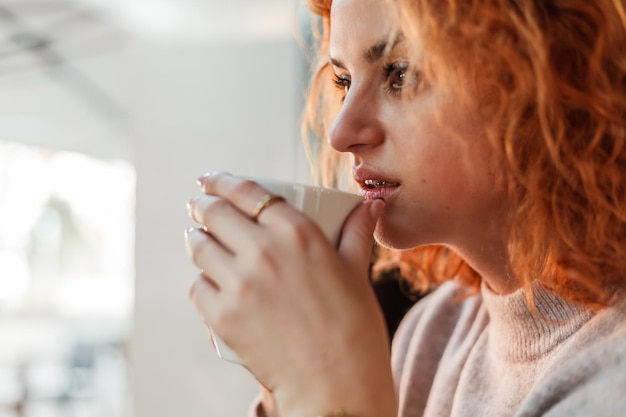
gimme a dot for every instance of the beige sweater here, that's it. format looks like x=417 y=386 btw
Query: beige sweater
x=488 y=355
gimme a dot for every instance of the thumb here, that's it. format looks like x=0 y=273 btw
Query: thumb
x=357 y=238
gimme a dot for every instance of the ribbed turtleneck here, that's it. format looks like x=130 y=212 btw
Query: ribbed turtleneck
x=492 y=355
x=520 y=334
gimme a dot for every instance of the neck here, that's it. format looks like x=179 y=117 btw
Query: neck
x=493 y=265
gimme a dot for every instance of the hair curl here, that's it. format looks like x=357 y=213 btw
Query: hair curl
x=552 y=78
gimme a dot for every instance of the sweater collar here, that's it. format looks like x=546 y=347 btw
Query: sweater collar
x=519 y=334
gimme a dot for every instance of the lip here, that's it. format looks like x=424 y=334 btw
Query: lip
x=361 y=175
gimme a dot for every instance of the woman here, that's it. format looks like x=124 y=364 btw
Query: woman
x=489 y=138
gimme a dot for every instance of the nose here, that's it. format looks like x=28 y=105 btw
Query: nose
x=358 y=123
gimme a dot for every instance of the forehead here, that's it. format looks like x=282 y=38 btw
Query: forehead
x=358 y=24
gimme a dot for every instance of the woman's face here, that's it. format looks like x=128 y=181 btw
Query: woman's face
x=411 y=141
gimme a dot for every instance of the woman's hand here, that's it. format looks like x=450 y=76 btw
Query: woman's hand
x=300 y=314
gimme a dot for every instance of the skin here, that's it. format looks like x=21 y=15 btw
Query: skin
x=421 y=137
x=300 y=313
x=308 y=351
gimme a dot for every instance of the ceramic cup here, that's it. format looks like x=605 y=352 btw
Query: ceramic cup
x=326 y=207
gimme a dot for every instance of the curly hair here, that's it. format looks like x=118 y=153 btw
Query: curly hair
x=552 y=81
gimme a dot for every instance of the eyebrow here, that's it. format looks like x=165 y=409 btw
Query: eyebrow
x=374 y=52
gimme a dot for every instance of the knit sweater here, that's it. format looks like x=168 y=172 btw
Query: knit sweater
x=490 y=355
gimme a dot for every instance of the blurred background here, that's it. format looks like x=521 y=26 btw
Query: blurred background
x=109 y=111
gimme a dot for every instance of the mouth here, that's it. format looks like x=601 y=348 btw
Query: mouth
x=373 y=184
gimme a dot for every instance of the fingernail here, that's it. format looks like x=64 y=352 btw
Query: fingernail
x=190 y=205
x=201 y=179
x=188 y=231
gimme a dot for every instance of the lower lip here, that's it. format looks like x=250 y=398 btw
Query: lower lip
x=374 y=193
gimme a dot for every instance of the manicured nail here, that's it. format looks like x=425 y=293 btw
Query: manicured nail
x=201 y=179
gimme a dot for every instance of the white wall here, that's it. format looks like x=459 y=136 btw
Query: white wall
x=221 y=104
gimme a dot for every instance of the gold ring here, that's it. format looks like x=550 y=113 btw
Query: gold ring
x=265 y=202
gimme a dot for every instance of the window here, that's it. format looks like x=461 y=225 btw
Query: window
x=66 y=282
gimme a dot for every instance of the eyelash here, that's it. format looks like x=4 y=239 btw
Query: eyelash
x=343 y=84
x=392 y=72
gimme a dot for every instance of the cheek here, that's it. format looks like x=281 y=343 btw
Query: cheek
x=448 y=184
x=456 y=157
x=437 y=165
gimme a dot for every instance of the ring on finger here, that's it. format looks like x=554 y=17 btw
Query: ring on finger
x=264 y=203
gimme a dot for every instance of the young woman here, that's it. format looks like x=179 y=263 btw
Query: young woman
x=489 y=138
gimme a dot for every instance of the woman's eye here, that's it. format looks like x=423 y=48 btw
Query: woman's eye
x=397 y=77
x=342 y=82
x=397 y=80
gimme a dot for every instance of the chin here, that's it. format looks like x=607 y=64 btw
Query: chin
x=394 y=239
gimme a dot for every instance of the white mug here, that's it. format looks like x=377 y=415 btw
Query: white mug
x=328 y=208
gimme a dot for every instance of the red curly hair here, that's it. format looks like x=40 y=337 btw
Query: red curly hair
x=552 y=77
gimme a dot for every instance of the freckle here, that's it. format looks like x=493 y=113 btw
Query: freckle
x=423 y=180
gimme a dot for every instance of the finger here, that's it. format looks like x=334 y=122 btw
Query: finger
x=223 y=221
x=204 y=294
x=210 y=256
x=244 y=194
x=357 y=236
